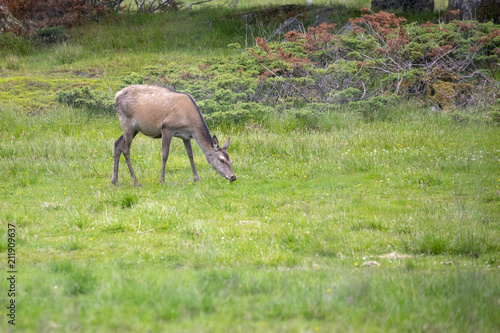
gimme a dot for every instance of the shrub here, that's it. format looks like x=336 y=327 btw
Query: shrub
x=494 y=112
x=132 y=78
x=10 y=44
x=376 y=107
x=87 y=99
x=52 y=34
x=27 y=16
x=451 y=65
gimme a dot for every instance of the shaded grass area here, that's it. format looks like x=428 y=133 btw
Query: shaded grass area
x=418 y=193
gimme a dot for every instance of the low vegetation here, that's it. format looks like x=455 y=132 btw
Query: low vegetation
x=448 y=66
x=361 y=203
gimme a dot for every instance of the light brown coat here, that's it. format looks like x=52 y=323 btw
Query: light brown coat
x=158 y=112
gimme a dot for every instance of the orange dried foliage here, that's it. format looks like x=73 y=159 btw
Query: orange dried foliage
x=315 y=38
x=440 y=51
x=382 y=23
x=278 y=54
x=488 y=38
x=263 y=77
x=430 y=26
x=202 y=67
x=292 y=36
x=187 y=75
x=364 y=63
x=464 y=26
x=263 y=45
x=33 y=14
x=394 y=44
x=256 y=55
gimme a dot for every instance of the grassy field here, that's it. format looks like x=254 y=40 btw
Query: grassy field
x=391 y=224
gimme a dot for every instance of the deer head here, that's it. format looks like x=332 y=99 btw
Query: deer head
x=220 y=160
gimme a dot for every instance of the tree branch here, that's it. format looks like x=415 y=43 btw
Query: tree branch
x=198 y=3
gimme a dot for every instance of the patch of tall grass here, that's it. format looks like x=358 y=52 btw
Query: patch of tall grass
x=13 y=45
x=200 y=32
x=66 y=53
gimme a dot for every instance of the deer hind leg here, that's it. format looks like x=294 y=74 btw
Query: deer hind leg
x=189 y=149
x=166 y=138
x=125 y=148
x=116 y=160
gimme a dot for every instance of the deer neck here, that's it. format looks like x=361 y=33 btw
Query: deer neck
x=204 y=140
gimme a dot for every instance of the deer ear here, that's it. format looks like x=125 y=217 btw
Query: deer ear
x=226 y=144
x=215 y=143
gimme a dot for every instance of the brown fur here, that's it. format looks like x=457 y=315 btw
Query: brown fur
x=158 y=112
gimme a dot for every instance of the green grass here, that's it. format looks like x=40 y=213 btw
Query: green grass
x=285 y=248
x=152 y=298
x=308 y=209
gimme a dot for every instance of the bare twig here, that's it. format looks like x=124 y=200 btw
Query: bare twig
x=198 y=3
x=291 y=84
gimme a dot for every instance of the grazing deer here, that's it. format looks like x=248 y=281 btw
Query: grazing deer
x=162 y=113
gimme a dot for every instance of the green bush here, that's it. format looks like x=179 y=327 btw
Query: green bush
x=11 y=44
x=52 y=34
x=86 y=98
x=132 y=78
x=378 y=107
x=494 y=112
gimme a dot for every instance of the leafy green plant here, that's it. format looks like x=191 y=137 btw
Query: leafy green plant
x=494 y=112
x=13 y=45
x=52 y=34
x=132 y=78
x=377 y=107
x=86 y=98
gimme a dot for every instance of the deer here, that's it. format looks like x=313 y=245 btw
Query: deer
x=161 y=113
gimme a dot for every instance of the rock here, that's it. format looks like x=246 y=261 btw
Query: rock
x=347 y=28
x=406 y=5
x=394 y=255
x=320 y=19
x=371 y=263
x=292 y=24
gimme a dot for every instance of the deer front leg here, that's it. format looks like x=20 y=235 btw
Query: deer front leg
x=189 y=149
x=166 y=137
